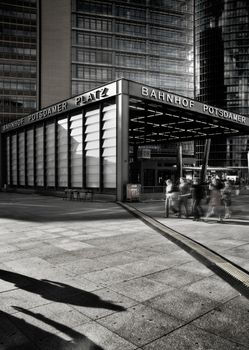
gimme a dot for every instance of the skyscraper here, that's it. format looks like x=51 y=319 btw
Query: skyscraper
x=222 y=68
x=18 y=59
x=147 y=41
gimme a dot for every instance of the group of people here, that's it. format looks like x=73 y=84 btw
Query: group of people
x=187 y=198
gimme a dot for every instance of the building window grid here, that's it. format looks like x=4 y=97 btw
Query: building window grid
x=18 y=43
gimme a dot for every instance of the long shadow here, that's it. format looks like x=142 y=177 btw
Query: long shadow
x=36 y=338
x=57 y=291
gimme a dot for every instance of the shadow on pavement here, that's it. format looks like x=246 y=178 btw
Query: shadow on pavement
x=58 y=292
x=42 y=338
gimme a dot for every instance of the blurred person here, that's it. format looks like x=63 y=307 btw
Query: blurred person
x=197 y=193
x=184 y=195
x=215 y=202
x=226 y=193
x=170 y=197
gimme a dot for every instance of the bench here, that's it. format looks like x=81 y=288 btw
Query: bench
x=77 y=194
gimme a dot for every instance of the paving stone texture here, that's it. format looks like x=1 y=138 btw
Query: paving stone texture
x=90 y=276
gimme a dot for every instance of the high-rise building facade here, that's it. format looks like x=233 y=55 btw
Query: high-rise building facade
x=222 y=68
x=147 y=41
x=51 y=50
x=18 y=59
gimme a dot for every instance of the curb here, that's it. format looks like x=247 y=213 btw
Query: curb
x=232 y=273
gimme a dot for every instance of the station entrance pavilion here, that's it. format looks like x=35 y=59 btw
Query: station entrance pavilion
x=96 y=140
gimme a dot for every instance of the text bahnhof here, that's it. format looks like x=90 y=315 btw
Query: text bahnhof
x=188 y=103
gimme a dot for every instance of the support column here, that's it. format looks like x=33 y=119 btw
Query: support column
x=205 y=160
x=179 y=168
x=122 y=101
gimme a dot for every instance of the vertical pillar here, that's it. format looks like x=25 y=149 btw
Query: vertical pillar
x=205 y=160
x=179 y=169
x=122 y=101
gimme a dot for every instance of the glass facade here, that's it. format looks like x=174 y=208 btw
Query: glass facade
x=18 y=59
x=222 y=68
x=76 y=150
x=147 y=41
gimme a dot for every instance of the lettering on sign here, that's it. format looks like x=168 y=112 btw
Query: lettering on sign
x=224 y=114
x=44 y=113
x=91 y=96
x=187 y=103
x=48 y=111
x=167 y=97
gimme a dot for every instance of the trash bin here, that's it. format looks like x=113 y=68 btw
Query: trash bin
x=133 y=192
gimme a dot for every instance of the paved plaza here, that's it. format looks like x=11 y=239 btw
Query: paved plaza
x=91 y=276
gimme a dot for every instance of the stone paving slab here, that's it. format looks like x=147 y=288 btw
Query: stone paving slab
x=88 y=275
x=191 y=338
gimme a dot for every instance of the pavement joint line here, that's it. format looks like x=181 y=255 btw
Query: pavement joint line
x=229 y=268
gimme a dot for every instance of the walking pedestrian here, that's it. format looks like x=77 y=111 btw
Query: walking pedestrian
x=227 y=199
x=197 y=193
x=184 y=195
x=215 y=202
x=170 y=194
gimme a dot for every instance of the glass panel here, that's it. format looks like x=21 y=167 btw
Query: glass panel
x=39 y=156
x=76 y=150
x=30 y=157
x=92 y=148
x=21 y=159
x=8 y=159
x=50 y=154
x=14 y=160
x=109 y=146
x=62 y=152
